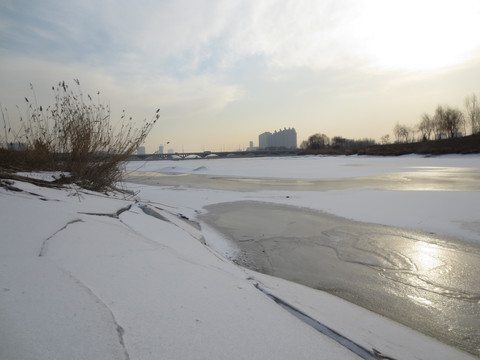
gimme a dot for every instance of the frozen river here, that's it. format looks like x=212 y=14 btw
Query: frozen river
x=425 y=277
x=418 y=279
x=423 y=179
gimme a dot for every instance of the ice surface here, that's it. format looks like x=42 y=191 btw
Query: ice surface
x=307 y=167
x=74 y=285
x=446 y=212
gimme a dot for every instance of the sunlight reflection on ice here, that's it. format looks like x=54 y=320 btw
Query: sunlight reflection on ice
x=420 y=300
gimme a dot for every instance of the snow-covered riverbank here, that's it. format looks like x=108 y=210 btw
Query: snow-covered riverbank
x=86 y=276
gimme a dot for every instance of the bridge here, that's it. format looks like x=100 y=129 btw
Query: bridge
x=215 y=154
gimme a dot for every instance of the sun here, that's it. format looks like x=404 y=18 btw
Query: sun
x=418 y=35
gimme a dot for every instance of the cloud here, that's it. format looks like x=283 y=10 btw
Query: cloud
x=287 y=33
x=183 y=37
x=406 y=35
x=292 y=34
x=181 y=99
x=240 y=64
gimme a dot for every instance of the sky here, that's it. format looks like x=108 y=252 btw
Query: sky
x=223 y=72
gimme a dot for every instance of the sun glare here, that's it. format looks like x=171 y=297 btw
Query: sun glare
x=418 y=35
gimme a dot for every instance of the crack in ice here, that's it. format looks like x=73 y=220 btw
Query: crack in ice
x=114 y=215
x=43 y=248
x=118 y=328
x=325 y=330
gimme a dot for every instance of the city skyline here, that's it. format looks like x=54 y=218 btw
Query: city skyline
x=288 y=142
x=224 y=72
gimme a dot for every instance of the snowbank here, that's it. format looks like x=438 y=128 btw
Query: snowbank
x=81 y=286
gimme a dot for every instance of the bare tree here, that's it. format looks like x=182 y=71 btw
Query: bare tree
x=403 y=133
x=385 y=139
x=316 y=141
x=426 y=126
x=449 y=120
x=438 y=121
x=472 y=113
x=398 y=132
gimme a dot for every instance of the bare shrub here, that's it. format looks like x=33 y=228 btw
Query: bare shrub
x=74 y=135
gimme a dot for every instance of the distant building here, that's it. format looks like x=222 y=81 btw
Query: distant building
x=160 y=149
x=286 y=138
x=141 y=150
x=251 y=147
x=265 y=140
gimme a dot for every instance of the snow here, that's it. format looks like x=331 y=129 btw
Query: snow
x=87 y=286
x=449 y=212
x=88 y=276
x=305 y=167
x=48 y=176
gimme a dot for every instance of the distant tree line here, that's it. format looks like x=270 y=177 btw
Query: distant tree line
x=315 y=142
x=446 y=122
x=322 y=141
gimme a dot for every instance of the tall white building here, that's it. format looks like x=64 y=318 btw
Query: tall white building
x=160 y=149
x=264 y=140
x=141 y=150
x=286 y=138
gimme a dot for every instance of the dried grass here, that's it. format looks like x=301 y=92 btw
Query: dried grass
x=73 y=135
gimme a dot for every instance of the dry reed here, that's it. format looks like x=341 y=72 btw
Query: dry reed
x=73 y=135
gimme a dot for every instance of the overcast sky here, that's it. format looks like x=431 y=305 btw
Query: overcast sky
x=223 y=72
